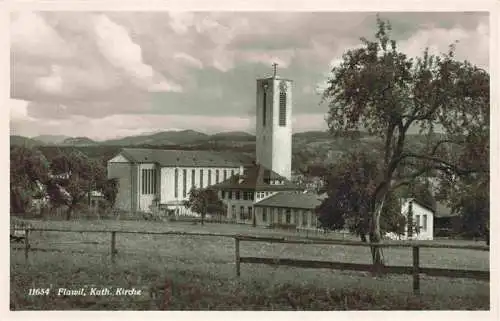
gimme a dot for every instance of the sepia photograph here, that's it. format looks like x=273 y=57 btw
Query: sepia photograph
x=249 y=160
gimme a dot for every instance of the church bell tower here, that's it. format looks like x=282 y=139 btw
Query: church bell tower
x=274 y=124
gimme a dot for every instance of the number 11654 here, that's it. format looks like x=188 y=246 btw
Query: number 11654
x=38 y=291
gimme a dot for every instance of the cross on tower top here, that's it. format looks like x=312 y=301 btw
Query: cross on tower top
x=275 y=65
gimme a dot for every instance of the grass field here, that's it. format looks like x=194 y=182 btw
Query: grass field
x=200 y=272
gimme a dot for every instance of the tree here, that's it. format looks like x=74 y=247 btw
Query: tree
x=468 y=195
x=204 y=201
x=349 y=185
x=73 y=176
x=28 y=167
x=379 y=89
x=109 y=188
x=421 y=190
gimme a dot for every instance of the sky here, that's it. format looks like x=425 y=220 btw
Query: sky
x=114 y=74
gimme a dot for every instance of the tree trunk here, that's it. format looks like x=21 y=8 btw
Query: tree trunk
x=375 y=236
x=68 y=213
x=202 y=219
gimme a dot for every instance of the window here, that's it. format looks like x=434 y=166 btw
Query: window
x=237 y=195
x=184 y=182
x=288 y=216
x=223 y=194
x=249 y=215
x=245 y=196
x=143 y=182
x=295 y=216
x=282 y=120
x=176 y=183
x=233 y=211
x=232 y=172
x=424 y=222
x=148 y=181
x=250 y=196
x=264 y=214
x=201 y=178
x=280 y=213
x=209 y=177
x=225 y=175
x=242 y=212
x=264 y=108
x=230 y=195
x=193 y=175
x=216 y=176
x=304 y=218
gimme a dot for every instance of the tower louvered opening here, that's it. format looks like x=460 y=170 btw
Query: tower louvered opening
x=282 y=114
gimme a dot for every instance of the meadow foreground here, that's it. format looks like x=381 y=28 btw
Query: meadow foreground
x=198 y=273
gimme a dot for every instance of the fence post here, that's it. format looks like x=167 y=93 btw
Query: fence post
x=416 y=279
x=26 y=245
x=113 y=246
x=237 y=255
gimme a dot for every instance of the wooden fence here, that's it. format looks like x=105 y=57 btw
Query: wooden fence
x=415 y=270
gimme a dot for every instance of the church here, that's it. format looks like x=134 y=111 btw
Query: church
x=150 y=178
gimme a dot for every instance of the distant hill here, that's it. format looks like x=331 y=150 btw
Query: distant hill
x=313 y=147
x=232 y=136
x=16 y=140
x=162 y=138
x=78 y=141
x=313 y=134
x=51 y=139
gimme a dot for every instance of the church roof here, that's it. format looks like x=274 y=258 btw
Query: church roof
x=258 y=177
x=292 y=200
x=186 y=158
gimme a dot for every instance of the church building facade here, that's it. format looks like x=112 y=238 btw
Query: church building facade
x=149 y=178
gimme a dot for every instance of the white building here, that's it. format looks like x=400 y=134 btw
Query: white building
x=422 y=218
x=274 y=125
x=163 y=178
x=151 y=178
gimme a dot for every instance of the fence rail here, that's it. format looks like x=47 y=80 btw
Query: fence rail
x=415 y=270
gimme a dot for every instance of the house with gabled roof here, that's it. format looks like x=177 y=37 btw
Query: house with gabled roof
x=421 y=226
x=242 y=192
x=292 y=209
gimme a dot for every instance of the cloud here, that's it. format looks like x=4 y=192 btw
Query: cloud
x=116 y=45
x=18 y=109
x=160 y=70
x=472 y=43
x=183 y=57
x=53 y=83
x=31 y=35
x=181 y=22
x=282 y=57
